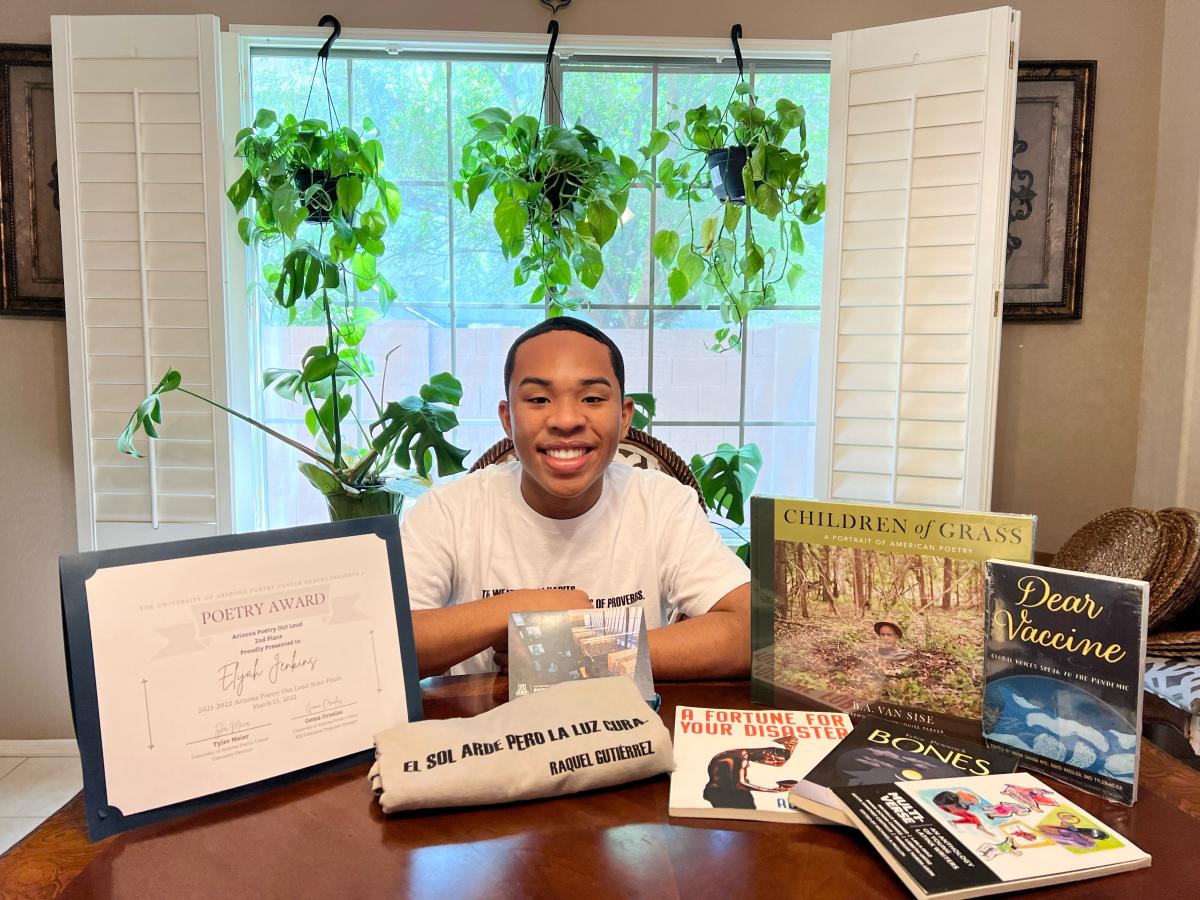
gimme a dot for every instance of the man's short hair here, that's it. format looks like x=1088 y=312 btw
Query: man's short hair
x=566 y=323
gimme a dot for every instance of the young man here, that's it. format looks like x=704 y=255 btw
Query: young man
x=562 y=528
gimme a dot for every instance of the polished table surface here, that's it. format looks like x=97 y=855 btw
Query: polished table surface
x=326 y=837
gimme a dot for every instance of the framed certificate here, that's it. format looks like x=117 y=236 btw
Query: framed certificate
x=202 y=671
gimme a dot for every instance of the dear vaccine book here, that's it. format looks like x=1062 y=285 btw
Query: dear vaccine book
x=740 y=764
x=965 y=837
x=1064 y=654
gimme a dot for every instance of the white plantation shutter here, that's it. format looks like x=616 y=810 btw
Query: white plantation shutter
x=921 y=124
x=139 y=164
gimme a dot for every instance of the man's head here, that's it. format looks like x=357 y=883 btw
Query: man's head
x=566 y=323
x=889 y=633
x=565 y=410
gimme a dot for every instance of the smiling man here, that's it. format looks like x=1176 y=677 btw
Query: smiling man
x=563 y=527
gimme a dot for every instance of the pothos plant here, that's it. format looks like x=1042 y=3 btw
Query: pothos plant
x=560 y=195
x=303 y=171
x=758 y=183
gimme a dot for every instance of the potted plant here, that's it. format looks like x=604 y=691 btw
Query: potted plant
x=355 y=457
x=739 y=151
x=560 y=194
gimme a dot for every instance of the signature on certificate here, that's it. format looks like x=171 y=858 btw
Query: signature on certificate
x=233 y=675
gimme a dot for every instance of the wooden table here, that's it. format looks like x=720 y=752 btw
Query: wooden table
x=326 y=837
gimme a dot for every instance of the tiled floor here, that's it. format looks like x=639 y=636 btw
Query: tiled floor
x=31 y=790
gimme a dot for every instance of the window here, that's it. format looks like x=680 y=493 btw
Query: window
x=458 y=309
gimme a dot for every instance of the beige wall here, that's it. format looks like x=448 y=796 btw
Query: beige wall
x=1068 y=410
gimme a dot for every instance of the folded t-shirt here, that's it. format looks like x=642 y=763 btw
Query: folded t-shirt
x=575 y=736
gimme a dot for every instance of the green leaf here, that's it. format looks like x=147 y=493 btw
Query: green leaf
x=644 y=408
x=659 y=141
x=603 y=220
x=264 y=118
x=239 y=192
x=443 y=388
x=753 y=262
x=797 y=237
x=411 y=433
x=284 y=382
x=665 y=246
x=708 y=233
x=691 y=264
x=510 y=219
x=728 y=478
x=349 y=193
x=794 y=274
x=733 y=215
x=148 y=414
x=319 y=364
x=322 y=479
x=489 y=116
x=743 y=553
x=392 y=203
x=286 y=208
x=678 y=285
x=767 y=202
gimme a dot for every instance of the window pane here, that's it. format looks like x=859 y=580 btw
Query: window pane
x=615 y=105
x=788 y=454
x=781 y=365
x=407 y=101
x=483 y=337
x=691 y=382
x=290 y=499
x=285 y=84
x=417 y=258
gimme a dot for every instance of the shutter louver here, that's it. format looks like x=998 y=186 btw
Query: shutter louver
x=920 y=145
x=139 y=137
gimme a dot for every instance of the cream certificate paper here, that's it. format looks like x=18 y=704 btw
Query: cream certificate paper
x=224 y=669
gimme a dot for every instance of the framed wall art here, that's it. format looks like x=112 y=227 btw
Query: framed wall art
x=1048 y=203
x=31 y=264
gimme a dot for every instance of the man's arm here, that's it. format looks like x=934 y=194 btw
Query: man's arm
x=714 y=645
x=446 y=636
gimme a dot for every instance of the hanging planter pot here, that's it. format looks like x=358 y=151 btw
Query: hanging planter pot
x=320 y=205
x=725 y=171
x=374 y=500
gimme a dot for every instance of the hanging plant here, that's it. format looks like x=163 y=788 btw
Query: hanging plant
x=560 y=195
x=736 y=176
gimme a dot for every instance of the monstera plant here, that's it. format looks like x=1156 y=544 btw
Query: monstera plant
x=321 y=205
x=756 y=183
x=560 y=195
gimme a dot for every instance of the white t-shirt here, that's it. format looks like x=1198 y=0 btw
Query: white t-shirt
x=646 y=542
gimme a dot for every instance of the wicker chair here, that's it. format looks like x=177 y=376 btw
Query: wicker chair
x=637 y=449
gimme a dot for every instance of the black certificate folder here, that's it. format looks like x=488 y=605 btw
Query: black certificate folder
x=208 y=670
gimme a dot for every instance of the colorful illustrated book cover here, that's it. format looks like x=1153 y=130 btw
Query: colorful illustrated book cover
x=740 y=764
x=875 y=609
x=879 y=751
x=551 y=646
x=968 y=837
x=1064 y=654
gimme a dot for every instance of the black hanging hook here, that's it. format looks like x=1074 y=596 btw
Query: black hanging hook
x=555 y=5
x=327 y=20
x=552 y=30
x=735 y=34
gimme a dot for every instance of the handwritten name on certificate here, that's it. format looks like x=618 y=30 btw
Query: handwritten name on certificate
x=220 y=670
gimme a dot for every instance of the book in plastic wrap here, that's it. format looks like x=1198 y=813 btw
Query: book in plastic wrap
x=740 y=764
x=878 y=751
x=1064 y=654
x=547 y=647
x=874 y=610
x=969 y=837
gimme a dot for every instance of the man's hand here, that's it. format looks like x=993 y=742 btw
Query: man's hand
x=445 y=637
x=714 y=645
